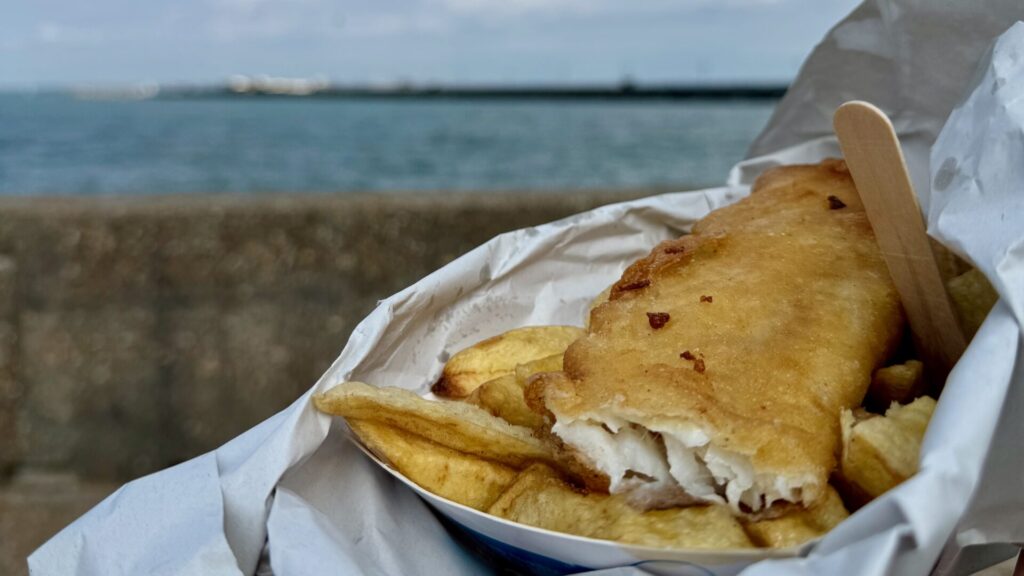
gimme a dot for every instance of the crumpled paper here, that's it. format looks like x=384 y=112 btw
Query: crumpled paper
x=292 y=496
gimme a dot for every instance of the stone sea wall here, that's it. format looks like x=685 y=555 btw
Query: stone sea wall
x=137 y=332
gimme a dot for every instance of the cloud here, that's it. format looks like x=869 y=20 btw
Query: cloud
x=240 y=20
x=48 y=32
x=525 y=7
x=393 y=24
x=517 y=7
x=247 y=5
x=237 y=20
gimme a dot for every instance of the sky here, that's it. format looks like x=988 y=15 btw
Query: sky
x=48 y=43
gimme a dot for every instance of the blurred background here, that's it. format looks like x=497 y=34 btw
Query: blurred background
x=200 y=199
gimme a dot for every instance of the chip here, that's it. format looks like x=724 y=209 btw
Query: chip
x=898 y=383
x=459 y=477
x=456 y=425
x=498 y=356
x=973 y=298
x=800 y=525
x=880 y=452
x=552 y=363
x=540 y=497
x=503 y=396
x=950 y=265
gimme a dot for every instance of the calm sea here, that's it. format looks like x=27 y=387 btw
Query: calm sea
x=57 y=144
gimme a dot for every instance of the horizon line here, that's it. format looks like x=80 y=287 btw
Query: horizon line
x=262 y=87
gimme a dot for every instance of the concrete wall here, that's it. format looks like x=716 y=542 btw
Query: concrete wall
x=139 y=332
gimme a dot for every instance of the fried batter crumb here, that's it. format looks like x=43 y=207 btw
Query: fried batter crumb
x=658 y=319
x=705 y=298
x=698 y=365
x=636 y=285
x=687 y=355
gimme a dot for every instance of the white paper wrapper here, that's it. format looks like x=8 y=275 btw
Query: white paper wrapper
x=292 y=496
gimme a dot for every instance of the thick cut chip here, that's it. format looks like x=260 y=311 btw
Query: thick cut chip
x=456 y=425
x=539 y=497
x=897 y=383
x=552 y=363
x=459 y=477
x=973 y=298
x=880 y=452
x=799 y=525
x=498 y=356
x=503 y=396
x=950 y=265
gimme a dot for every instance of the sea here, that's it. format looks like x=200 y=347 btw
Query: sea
x=54 y=143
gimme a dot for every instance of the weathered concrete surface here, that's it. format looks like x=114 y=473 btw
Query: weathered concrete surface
x=138 y=332
x=10 y=390
x=34 y=508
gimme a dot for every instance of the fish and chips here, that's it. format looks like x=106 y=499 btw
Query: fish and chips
x=714 y=399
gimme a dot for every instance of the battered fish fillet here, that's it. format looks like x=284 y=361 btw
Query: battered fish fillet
x=717 y=370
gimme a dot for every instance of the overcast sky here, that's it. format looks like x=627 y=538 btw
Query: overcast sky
x=61 y=42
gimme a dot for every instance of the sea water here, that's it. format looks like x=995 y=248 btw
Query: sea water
x=54 y=143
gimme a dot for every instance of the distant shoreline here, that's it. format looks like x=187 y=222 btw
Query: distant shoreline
x=622 y=92
x=303 y=90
